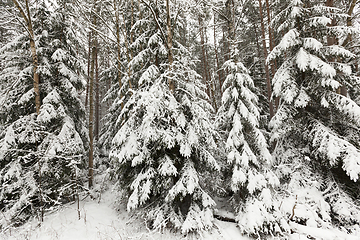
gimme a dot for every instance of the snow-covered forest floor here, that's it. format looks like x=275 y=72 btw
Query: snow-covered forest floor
x=102 y=220
x=108 y=219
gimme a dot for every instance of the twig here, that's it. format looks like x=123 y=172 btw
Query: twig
x=293 y=210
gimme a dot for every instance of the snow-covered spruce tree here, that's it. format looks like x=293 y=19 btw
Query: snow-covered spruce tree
x=163 y=146
x=39 y=154
x=316 y=128
x=161 y=149
x=62 y=112
x=249 y=171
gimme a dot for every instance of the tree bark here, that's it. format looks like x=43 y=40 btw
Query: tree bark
x=169 y=45
x=349 y=21
x=132 y=24
x=97 y=96
x=269 y=91
x=218 y=70
x=34 y=56
x=91 y=102
x=118 y=49
x=257 y=39
x=271 y=38
x=211 y=82
x=203 y=59
x=88 y=73
x=129 y=53
x=331 y=40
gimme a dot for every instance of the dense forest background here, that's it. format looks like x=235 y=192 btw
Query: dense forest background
x=177 y=103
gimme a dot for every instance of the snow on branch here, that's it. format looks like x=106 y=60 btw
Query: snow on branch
x=330 y=145
x=290 y=39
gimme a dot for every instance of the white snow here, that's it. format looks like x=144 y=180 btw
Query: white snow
x=102 y=221
x=108 y=219
x=323 y=234
x=26 y=97
x=290 y=39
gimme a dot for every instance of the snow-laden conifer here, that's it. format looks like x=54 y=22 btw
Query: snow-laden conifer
x=250 y=176
x=40 y=154
x=162 y=148
x=164 y=144
x=316 y=127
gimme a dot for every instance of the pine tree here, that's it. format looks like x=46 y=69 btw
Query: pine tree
x=165 y=139
x=316 y=128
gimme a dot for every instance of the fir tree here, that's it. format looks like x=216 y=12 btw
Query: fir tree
x=249 y=161
x=316 y=126
x=165 y=139
x=40 y=152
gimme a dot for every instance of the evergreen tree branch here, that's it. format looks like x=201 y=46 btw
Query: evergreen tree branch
x=155 y=18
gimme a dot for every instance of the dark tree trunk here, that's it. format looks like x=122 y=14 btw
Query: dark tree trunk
x=97 y=97
x=91 y=101
x=268 y=83
x=88 y=73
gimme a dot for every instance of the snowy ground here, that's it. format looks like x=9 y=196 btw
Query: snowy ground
x=101 y=221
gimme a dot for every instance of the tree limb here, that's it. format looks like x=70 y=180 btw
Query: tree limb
x=155 y=18
x=21 y=11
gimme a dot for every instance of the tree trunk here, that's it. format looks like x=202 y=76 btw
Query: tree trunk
x=225 y=50
x=348 y=38
x=349 y=21
x=211 y=83
x=331 y=40
x=91 y=101
x=230 y=26
x=257 y=39
x=34 y=56
x=128 y=52
x=118 y=49
x=132 y=24
x=169 y=44
x=88 y=73
x=271 y=39
x=203 y=59
x=97 y=97
x=269 y=91
x=218 y=70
